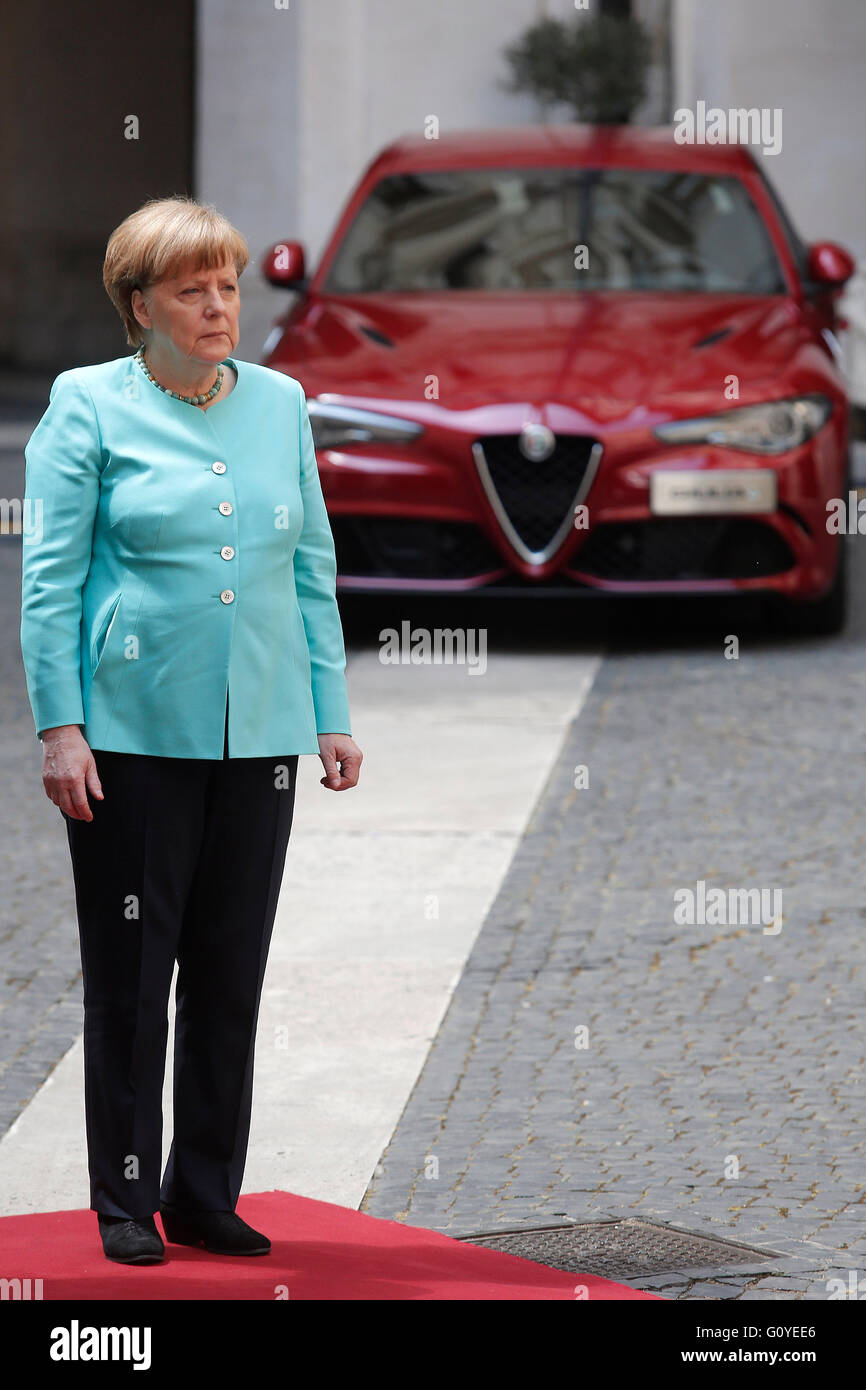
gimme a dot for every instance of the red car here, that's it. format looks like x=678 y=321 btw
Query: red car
x=564 y=359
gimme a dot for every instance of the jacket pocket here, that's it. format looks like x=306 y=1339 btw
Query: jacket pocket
x=97 y=646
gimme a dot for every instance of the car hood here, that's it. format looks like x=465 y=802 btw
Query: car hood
x=608 y=354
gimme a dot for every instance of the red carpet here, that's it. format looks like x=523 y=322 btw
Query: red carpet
x=319 y=1251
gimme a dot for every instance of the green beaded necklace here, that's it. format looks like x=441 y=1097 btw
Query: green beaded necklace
x=191 y=400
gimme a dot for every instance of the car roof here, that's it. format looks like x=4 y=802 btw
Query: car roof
x=639 y=147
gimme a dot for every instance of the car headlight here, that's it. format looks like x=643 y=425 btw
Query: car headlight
x=334 y=425
x=772 y=428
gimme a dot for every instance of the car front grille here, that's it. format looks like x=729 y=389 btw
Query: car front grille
x=681 y=549
x=378 y=547
x=660 y=549
x=537 y=498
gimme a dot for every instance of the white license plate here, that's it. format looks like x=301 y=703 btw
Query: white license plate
x=684 y=492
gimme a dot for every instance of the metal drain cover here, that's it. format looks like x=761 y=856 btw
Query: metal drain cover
x=614 y=1249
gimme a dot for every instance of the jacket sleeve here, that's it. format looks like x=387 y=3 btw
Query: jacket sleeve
x=63 y=459
x=315 y=566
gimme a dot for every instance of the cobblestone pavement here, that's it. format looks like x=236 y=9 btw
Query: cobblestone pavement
x=41 y=1013
x=40 y=1006
x=721 y=1089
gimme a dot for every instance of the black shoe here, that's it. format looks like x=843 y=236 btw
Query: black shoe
x=130 y=1242
x=221 y=1232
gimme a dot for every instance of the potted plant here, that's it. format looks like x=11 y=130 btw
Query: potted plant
x=597 y=65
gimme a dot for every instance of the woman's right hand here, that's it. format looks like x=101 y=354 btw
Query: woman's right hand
x=69 y=771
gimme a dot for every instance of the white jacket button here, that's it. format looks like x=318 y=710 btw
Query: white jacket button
x=226 y=508
x=228 y=552
x=218 y=467
x=228 y=595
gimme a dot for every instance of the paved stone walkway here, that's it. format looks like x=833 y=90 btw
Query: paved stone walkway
x=721 y=1085
x=40 y=981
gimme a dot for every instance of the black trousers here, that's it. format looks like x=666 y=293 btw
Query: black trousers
x=183 y=860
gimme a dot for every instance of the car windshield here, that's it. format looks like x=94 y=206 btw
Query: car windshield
x=557 y=229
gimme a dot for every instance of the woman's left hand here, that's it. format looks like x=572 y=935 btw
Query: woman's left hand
x=343 y=750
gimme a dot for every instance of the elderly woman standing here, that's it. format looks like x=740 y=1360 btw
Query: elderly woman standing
x=182 y=647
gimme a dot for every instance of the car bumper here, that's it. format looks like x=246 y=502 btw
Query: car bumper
x=429 y=525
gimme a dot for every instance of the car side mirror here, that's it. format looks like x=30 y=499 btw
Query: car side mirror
x=283 y=265
x=830 y=264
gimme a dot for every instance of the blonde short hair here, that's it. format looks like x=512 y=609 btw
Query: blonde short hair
x=157 y=241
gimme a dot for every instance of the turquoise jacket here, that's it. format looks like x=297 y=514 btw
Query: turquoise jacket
x=174 y=558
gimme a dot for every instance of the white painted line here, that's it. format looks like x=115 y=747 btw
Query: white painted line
x=361 y=969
